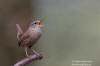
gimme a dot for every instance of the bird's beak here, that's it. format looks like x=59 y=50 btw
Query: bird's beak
x=40 y=24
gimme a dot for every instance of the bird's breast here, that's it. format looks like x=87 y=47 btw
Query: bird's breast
x=34 y=37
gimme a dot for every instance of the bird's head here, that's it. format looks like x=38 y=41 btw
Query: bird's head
x=37 y=23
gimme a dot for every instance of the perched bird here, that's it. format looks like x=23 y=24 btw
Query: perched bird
x=30 y=37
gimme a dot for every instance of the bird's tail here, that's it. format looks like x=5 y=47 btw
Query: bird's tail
x=19 y=31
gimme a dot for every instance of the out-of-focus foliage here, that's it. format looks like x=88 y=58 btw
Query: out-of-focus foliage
x=71 y=30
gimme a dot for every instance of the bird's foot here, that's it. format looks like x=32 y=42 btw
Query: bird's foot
x=27 y=56
x=39 y=55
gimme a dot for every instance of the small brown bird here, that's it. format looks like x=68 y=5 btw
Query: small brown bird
x=30 y=37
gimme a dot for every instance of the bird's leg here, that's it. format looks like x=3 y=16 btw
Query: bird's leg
x=26 y=51
x=34 y=51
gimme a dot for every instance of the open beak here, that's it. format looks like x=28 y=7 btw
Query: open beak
x=40 y=24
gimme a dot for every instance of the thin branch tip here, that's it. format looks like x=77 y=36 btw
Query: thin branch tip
x=28 y=59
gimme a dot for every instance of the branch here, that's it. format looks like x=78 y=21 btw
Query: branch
x=28 y=60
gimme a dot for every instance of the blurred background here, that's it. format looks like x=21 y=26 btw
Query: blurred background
x=71 y=32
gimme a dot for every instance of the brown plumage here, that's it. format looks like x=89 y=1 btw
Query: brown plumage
x=30 y=37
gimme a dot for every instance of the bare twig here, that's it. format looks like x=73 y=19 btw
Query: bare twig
x=28 y=60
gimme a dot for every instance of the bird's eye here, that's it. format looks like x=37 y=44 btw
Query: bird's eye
x=35 y=23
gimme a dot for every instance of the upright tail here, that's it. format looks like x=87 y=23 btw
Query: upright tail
x=19 y=31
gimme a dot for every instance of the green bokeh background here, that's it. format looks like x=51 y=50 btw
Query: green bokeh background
x=71 y=31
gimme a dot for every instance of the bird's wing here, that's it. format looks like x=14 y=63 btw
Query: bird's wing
x=24 y=37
